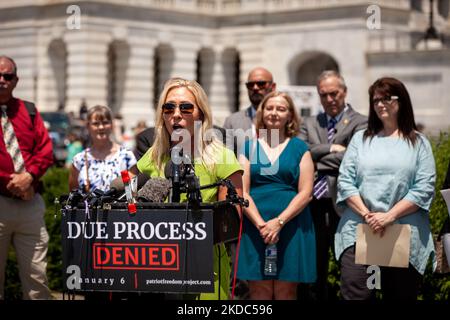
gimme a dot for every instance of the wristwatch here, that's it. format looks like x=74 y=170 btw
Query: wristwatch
x=280 y=221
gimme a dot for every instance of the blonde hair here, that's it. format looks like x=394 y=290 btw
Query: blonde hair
x=292 y=127
x=206 y=148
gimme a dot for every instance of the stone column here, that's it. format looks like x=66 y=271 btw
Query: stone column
x=217 y=95
x=185 y=59
x=251 y=56
x=222 y=95
x=87 y=72
x=19 y=43
x=138 y=85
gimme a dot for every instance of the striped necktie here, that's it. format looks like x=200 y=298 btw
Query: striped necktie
x=331 y=129
x=11 y=143
x=321 y=186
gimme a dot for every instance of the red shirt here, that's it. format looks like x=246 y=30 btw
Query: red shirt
x=34 y=143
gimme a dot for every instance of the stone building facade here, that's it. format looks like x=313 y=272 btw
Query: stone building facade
x=120 y=52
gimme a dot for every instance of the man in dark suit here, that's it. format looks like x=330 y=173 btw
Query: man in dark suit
x=239 y=125
x=328 y=135
x=144 y=141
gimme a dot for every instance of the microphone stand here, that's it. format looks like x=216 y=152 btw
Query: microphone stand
x=184 y=180
x=232 y=197
x=176 y=187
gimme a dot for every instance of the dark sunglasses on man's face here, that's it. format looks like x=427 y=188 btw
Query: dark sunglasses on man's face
x=8 y=76
x=186 y=108
x=259 y=84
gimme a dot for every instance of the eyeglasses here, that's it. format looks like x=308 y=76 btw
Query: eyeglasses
x=8 y=76
x=384 y=100
x=185 y=108
x=259 y=84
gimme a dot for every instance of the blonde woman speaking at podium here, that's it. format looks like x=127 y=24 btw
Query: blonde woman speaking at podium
x=183 y=119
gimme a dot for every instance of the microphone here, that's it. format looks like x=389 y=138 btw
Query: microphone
x=131 y=202
x=187 y=162
x=172 y=171
x=117 y=187
x=154 y=190
x=94 y=196
x=74 y=197
x=168 y=170
x=177 y=171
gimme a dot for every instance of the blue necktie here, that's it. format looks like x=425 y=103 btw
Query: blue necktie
x=321 y=186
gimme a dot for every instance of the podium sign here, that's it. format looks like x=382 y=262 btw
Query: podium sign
x=160 y=249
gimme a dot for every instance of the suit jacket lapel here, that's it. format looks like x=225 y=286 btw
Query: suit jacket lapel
x=346 y=119
x=322 y=130
x=247 y=119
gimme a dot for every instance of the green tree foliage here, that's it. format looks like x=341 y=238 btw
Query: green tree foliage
x=441 y=151
x=435 y=286
x=55 y=184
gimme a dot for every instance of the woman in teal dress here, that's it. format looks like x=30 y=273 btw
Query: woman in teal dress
x=278 y=181
x=387 y=177
x=183 y=118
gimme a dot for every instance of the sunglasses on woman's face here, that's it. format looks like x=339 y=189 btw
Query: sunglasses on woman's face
x=185 y=108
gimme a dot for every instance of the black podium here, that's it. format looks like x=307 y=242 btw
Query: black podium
x=162 y=248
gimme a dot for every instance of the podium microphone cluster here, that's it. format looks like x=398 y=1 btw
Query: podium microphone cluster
x=175 y=170
x=149 y=189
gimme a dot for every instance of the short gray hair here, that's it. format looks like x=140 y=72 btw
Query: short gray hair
x=331 y=73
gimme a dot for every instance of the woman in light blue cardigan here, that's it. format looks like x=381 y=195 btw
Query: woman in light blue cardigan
x=387 y=176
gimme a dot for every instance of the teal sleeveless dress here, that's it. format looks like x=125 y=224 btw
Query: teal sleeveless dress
x=272 y=189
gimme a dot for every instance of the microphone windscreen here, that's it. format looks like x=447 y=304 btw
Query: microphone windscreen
x=154 y=190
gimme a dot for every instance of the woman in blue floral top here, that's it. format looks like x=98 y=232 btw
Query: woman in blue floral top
x=102 y=162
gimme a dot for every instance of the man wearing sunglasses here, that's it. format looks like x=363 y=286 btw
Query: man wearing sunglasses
x=328 y=135
x=240 y=125
x=25 y=154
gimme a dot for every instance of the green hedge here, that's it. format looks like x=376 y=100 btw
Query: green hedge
x=55 y=184
x=435 y=287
